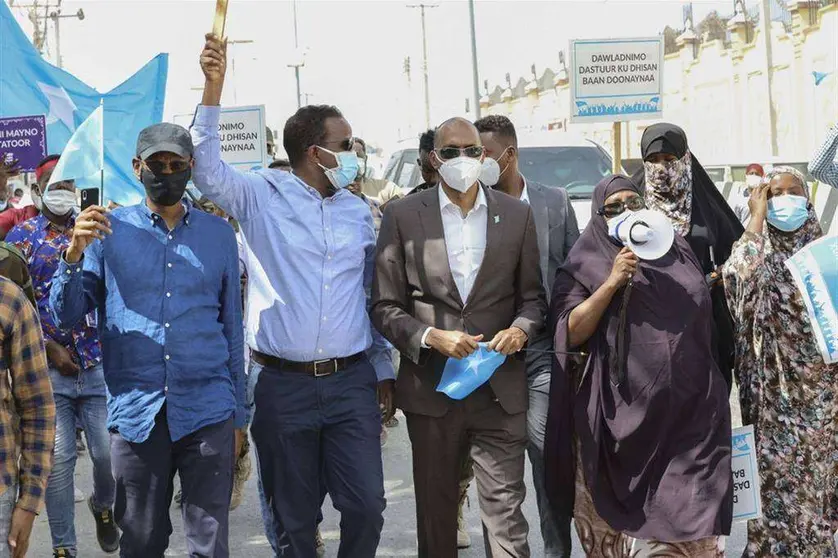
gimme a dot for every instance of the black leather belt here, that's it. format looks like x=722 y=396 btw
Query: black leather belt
x=316 y=368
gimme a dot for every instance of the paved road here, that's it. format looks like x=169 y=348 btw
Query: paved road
x=247 y=539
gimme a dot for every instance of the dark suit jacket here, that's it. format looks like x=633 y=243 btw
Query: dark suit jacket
x=557 y=230
x=414 y=289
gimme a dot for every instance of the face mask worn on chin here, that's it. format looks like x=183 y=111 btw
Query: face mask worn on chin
x=461 y=173
x=166 y=189
x=59 y=202
x=347 y=170
x=787 y=213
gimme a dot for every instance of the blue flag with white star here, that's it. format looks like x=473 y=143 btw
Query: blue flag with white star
x=461 y=377
x=29 y=85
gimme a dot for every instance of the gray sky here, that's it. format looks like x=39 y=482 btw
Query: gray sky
x=355 y=49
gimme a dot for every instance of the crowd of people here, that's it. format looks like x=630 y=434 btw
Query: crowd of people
x=305 y=286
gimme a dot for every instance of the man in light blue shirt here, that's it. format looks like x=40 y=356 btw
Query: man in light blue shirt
x=311 y=252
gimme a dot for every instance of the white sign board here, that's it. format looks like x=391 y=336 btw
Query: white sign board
x=244 y=144
x=615 y=80
x=242 y=133
x=747 y=503
x=815 y=272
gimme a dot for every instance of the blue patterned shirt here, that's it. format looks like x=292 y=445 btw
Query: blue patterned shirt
x=42 y=244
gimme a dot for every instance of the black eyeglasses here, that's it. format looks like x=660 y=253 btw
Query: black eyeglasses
x=447 y=153
x=161 y=167
x=609 y=210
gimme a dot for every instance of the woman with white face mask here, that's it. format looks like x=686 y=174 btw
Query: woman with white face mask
x=786 y=390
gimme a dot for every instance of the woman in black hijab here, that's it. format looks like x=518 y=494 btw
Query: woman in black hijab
x=650 y=409
x=674 y=182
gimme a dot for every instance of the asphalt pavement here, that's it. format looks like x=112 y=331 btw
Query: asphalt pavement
x=398 y=539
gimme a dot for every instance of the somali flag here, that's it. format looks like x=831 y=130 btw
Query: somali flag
x=815 y=272
x=84 y=155
x=461 y=377
x=29 y=85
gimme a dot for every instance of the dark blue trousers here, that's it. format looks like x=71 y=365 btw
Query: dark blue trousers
x=313 y=431
x=144 y=475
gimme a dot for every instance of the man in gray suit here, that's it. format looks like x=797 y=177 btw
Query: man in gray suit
x=457 y=265
x=557 y=230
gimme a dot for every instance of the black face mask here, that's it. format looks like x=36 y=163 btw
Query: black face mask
x=166 y=189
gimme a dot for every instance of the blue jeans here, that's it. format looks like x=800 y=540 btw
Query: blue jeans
x=7 y=507
x=312 y=433
x=83 y=398
x=254 y=369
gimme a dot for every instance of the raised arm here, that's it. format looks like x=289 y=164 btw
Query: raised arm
x=823 y=165
x=239 y=194
x=584 y=318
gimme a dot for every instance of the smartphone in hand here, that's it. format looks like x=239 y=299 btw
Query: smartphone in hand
x=89 y=196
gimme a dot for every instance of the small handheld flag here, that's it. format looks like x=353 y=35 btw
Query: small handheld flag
x=84 y=154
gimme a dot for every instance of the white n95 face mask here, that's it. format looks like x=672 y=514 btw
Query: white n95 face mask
x=461 y=173
x=490 y=173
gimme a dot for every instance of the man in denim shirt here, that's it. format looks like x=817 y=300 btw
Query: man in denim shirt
x=164 y=278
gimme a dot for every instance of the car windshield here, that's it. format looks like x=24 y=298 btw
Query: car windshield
x=577 y=169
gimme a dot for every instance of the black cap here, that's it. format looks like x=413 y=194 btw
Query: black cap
x=164 y=137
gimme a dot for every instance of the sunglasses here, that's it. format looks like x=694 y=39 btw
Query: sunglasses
x=613 y=209
x=448 y=153
x=160 y=167
x=345 y=145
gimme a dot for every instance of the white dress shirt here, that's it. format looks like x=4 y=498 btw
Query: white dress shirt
x=465 y=241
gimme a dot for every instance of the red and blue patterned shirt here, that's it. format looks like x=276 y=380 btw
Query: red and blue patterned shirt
x=42 y=243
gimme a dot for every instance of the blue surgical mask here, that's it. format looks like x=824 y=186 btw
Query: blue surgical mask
x=787 y=213
x=347 y=170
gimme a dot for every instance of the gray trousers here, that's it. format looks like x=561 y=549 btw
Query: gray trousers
x=554 y=531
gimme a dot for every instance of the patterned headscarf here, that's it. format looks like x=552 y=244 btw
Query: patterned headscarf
x=777 y=171
x=780 y=245
x=669 y=189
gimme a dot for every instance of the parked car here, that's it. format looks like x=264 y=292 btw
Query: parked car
x=553 y=159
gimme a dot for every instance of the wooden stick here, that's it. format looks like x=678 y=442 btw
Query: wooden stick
x=220 y=20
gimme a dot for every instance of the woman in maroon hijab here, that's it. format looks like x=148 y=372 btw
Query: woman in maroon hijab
x=649 y=408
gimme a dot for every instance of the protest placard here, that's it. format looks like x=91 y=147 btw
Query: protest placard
x=747 y=503
x=815 y=272
x=615 y=80
x=242 y=133
x=24 y=139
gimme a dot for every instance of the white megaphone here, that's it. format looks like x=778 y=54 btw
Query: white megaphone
x=648 y=233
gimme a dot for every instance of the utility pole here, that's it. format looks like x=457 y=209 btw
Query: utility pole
x=297 y=63
x=474 y=71
x=425 y=60
x=56 y=16
x=768 y=69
